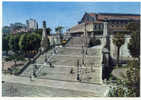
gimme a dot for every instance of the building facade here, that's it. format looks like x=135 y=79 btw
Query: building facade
x=31 y=24
x=17 y=28
x=116 y=23
x=6 y=30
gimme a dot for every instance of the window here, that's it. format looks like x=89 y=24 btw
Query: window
x=94 y=26
x=101 y=26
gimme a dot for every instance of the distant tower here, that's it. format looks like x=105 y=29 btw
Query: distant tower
x=31 y=24
x=45 y=41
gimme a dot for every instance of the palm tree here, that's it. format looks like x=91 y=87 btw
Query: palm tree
x=118 y=41
x=59 y=29
x=48 y=30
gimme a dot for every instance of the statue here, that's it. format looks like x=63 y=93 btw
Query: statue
x=45 y=40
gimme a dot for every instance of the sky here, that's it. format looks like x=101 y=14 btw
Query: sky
x=66 y=14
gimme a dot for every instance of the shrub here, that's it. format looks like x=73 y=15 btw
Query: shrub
x=94 y=42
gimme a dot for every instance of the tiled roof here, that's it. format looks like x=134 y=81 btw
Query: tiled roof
x=102 y=16
x=77 y=28
x=81 y=27
x=92 y=14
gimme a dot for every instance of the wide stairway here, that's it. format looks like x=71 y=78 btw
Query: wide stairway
x=64 y=65
x=75 y=42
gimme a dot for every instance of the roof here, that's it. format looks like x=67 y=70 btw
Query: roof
x=77 y=28
x=80 y=27
x=103 y=16
x=119 y=14
x=91 y=14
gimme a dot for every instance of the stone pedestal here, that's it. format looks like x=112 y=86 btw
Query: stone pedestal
x=45 y=40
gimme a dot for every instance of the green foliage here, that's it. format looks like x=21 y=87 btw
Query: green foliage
x=131 y=87
x=5 y=42
x=59 y=29
x=111 y=77
x=29 y=42
x=48 y=30
x=133 y=27
x=94 y=42
x=39 y=31
x=133 y=75
x=13 y=42
x=118 y=41
x=134 y=44
x=15 y=57
x=118 y=92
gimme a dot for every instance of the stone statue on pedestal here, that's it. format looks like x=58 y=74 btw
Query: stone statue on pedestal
x=45 y=40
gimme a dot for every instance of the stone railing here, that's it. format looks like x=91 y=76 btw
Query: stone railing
x=28 y=63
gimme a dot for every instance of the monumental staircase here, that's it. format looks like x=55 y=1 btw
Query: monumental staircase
x=75 y=42
x=64 y=64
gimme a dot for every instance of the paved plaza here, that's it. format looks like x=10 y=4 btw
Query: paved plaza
x=23 y=87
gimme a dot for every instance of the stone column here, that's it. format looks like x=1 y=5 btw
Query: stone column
x=104 y=42
x=106 y=37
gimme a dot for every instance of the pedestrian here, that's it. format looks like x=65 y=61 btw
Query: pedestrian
x=31 y=78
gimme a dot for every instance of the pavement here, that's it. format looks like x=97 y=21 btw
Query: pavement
x=99 y=90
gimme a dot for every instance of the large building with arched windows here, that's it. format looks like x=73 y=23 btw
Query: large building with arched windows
x=94 y=23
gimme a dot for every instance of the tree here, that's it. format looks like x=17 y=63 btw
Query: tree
x=133 y=27
x=134 y=43
x=133 y=76
x=48 y=30
x=59 y=29
x=15 y=57
x=39 y=31
x=29 y=42
x=118 y=41
x=93 y=42
x=5 y=42
x=13 y=42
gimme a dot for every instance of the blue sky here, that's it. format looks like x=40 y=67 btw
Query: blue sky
x=66 y=14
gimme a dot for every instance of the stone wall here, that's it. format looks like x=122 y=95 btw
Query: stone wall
x=124 y=52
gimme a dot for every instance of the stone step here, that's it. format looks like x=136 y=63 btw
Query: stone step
x=70 y=77
x=72 y=61
x=64 y=73
x=75 y=41
x=65 y=60
x=72 y=51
